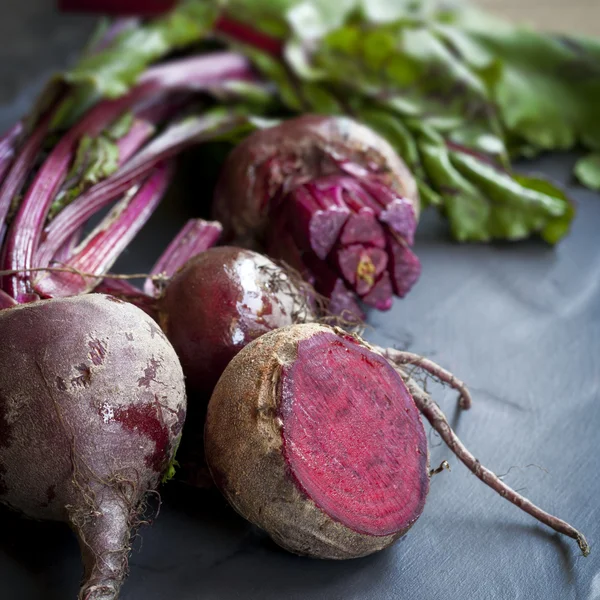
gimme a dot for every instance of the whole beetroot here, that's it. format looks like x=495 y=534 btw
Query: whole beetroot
x=220 y=301
x=315 y=437
x=92 y=404
x=332 y=198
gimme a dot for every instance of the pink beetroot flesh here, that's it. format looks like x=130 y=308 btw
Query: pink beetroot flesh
x=353 y=439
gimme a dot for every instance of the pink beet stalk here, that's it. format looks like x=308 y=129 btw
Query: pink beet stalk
x=104 y=245
x=66 y=250
x=195 y=237
x=141 y=131
x=196 y=74
x=171 y=142
x=20 y=168
x=25 y=231
x=8 y=148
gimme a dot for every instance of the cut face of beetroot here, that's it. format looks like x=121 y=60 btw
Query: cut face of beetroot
x=353 y=439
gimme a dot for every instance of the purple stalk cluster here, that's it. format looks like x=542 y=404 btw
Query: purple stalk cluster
x=351 y=237
x=32 y=240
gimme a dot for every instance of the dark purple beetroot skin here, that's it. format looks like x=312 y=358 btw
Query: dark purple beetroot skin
x=92 y=404
x=315 y=438
x=219 y=302
x=338 y=192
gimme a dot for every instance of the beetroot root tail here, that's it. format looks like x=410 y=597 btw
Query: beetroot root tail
x=438 y=421
x=402 y=358
x=104 y=538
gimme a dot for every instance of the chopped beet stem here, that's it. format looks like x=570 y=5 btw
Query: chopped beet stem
x=316 y=225
x=195 y=237
x=433 y=413
x=402 y=358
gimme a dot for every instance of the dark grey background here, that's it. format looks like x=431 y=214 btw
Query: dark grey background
x=519 y=322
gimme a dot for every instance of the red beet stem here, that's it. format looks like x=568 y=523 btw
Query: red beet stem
x=125 y=290
x=8 y=147
x=24 y=233
x=6 y=301
x=20 y=167
x=198 y=73
x=104 y=245
x=66 y=250
x=195 y=237
x=173 y=140
x=191 y=74
x=438 y=421
x=244 y=33
x=403 y=358
x=141 y=131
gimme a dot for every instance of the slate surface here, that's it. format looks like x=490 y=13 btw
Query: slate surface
x=519 y=322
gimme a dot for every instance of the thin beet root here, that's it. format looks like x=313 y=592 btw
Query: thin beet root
x=402 y=358
x=438 y=421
